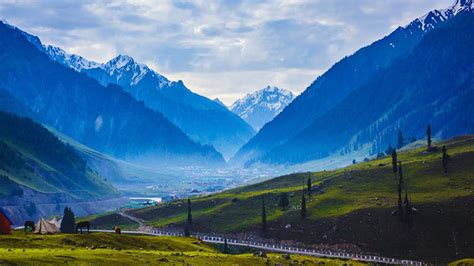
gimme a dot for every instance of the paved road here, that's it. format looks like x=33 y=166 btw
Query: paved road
x=142 y=227
x=277 y=248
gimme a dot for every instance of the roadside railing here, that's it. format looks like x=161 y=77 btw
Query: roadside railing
x=275 y=247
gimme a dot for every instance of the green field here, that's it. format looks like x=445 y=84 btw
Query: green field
x=353 y=207
x=106 y=249
x=109 y=220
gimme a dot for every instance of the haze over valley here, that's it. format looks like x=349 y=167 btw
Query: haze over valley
x=257 y=127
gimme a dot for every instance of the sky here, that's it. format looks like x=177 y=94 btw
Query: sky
x=219 y=48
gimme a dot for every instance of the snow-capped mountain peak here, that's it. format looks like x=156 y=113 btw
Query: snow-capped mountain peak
x=57 y=54
x=430 y=20
x=124 y=66
x=76 y=62
x=121 y=68
x=259 y=107
x=120 y=61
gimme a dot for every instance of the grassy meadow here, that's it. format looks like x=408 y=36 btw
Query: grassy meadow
x=351 y=207
x=107 y=249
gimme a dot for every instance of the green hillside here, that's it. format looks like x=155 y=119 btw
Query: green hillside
x=352 y=206
x=107 y=249
x=31 y=157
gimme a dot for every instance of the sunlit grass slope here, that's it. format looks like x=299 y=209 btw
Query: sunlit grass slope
x=366 y=185
x=111 y=249
x=352 y=207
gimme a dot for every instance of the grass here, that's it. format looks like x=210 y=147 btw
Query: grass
x=345 y=198
x=109 y=220
x=106 y=249
x=463 y=262
x=365 y=185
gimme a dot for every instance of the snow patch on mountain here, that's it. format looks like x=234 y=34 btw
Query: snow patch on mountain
x=122 y=66
x=262 y=106
x=430 y=20
x=75 y=62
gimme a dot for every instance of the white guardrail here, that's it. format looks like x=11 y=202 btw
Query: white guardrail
x=276 y=248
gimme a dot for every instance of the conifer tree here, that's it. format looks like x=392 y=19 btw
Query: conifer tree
x=308 y=184
x=407 y=207
x=400 y=204
x=400 y=139
x=186 y=231
x=264 y=215
x=226 y=246
x=284 y=202
x=446 y=158
x=389 y=149
x=428 y=136
x=68 y=223
x=400 y=185
x=400 y=172
x=394 y=162
x=190 y=216
x=303 y=205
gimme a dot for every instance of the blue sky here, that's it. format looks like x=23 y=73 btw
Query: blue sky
x=221 y=48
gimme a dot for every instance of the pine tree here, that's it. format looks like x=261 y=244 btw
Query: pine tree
x=394 y=162
x=400 y=205
x=400 y=139
x=400 y=172
x=226 y=246
x=407 y=207
x=445 y=160
x=400 y=185
x=68 y=223
x=428 y=136
x=308 y=184
x=186 y=231
x=264 y=215
x=303 y=205
x=389 y=149
x=190 y=216
x=284 y=202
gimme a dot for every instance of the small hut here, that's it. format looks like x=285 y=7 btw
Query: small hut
x=5 y=224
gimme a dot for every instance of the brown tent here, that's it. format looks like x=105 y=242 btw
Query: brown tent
x=5 y=224
x=45 y=227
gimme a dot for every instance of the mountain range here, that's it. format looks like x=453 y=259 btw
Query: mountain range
x=262 y=106
x=105 y=118
x=419 y=74
x=203 y=120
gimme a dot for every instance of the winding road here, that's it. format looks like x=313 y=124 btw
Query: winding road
x=149 y=230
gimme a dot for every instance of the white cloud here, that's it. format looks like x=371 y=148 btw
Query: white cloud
x=222 y=48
